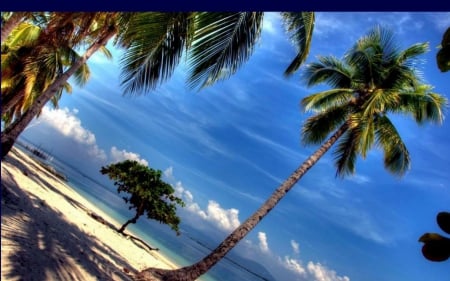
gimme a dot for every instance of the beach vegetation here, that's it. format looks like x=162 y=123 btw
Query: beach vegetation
x=145 y=192
x=374 y=80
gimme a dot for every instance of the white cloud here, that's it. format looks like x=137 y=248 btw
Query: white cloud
x=224 y=219
x=322 y=273
x=270 y=22
x=169 y=173
x=359 y=179
x=121 y=155
x=66 y=123
x=263 y=246
x=293 y=265
x=295 y=247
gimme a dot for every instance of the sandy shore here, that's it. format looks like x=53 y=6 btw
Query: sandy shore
x=48 y=233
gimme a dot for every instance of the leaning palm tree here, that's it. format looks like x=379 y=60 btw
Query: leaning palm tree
x=29 y=66
x=73 y=29
x=217 y=44
x=375 y=79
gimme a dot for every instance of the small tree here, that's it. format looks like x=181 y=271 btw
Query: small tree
x=146 y=192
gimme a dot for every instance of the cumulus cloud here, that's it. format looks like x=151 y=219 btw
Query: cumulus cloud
x=263 y=245
x=121 y=155
x=224 y=219
x=295 y=247
x=69 y=125
x=322 y=273
x=168 y=173
x=293 y=265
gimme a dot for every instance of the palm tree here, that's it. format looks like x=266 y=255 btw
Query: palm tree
x=10 y=20
x=374 y=79
x=56 y=54
x=217 y=45
x=28 y=68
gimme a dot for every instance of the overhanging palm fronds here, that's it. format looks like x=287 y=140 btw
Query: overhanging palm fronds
x=222 y=43
x=300 y=27
x=158 y=41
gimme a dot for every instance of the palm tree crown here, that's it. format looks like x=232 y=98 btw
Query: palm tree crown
x=374 y=79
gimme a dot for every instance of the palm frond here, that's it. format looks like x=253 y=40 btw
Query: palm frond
x=367 y=135
x=82 y=75
x=31 y=75
x=25 y=34
x=322 y=100
x=300 y=26
x=401 y=70
x=413 y=51
x=346 y=152
x=105 y=51
x=222 y=43
x=319 y=126
x=378 y=102
x=328 y=70
x=422 y=104
x=157 y=43
x=396 y=155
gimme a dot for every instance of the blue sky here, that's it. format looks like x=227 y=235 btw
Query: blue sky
x=227 y=147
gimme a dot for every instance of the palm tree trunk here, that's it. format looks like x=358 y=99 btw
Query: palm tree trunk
x=194 y=271
x=11 y=23
x=10 y=100
x=10 y=134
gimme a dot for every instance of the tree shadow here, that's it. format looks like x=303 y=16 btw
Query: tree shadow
x=42 y=245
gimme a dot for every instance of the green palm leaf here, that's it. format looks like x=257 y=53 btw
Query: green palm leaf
x=329 y=70
x=300 y=26
x=222 y=43
x=345 y=153
x=25 y=34
x=396 y=155
x=158 y=41
x=323 y=100
x=422 y=104
x=319 y=126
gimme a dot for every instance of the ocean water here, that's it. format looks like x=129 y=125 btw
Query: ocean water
x=185 y=249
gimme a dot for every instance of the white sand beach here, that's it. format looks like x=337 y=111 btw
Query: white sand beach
x=48 y=232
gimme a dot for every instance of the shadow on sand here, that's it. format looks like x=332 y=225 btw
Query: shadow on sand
x=43 y=245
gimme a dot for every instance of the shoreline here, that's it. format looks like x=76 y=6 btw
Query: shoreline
x=49 y=231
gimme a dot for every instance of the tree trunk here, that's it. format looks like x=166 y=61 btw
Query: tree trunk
x=139 y=213
x=10 y=134
x=133 y=220
x=10 y=100
x=194 y=271
x=11 y=23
